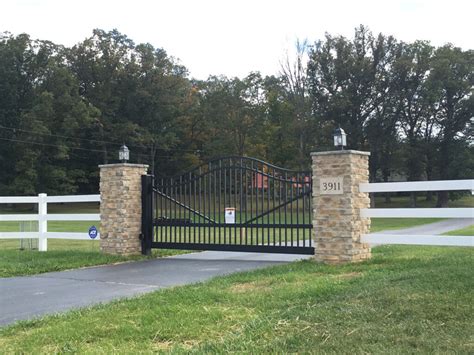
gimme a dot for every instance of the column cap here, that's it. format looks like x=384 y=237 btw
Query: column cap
x=341 y=152
x=128 y=165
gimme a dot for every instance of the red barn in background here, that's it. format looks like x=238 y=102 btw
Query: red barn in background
x=299 y=184
x=260 y=181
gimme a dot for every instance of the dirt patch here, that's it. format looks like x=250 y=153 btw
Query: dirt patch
x=345 y=276
x=163 y=345
x=348 y=276
x=259 y=286
x=266 y=286
x=167 y=345
x=318 y=274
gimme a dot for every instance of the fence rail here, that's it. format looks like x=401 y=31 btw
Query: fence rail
x=418 y=212
x=440 y=240
x=42 y=217
x=440 y=185
x=410 y=186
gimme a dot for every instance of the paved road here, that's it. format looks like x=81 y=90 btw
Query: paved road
x=32 y=296
x=434 y=228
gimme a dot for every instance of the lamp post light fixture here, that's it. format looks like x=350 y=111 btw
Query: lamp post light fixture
x=124 y=154
x=340 y=138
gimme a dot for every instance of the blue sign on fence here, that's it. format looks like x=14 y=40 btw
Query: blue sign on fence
x=92 y=232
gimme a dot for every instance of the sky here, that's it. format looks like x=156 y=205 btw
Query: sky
x=236 y=37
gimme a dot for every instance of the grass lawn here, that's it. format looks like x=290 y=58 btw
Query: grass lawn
x=29 y=262
x=404 y=202
x=76 y=207
x=69 y=254
x=469 y=231
x=379 y=224
x=405 y=300
x=61 y=255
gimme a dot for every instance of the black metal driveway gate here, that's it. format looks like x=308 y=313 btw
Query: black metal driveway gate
x=230 y=204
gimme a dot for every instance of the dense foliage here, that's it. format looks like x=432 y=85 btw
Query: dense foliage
x=63 y=111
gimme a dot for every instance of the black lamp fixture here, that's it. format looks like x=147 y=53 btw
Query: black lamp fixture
x=340 y=139
x=124 y=154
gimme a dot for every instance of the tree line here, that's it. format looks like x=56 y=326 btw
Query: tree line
x=65 y=110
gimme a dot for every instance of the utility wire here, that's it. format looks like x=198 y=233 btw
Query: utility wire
x=59 y=136
x=49 y=145
x=92 y=140
x=76 y=148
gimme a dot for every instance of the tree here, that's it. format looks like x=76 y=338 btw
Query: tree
x=158 y=102
x=278 y=131
x=141 y=93
x=352 y=86
x=63 y=111
x=16 y=95
x=347 y=82
x=99 y=64
x=233 y=111
x=295 y=84
x=451 y=80
x=413 y=104
x=46 y=102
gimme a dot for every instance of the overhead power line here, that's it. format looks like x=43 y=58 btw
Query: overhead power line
x=93 y=140
x=50 y=145
x=59 y=136
x=76 y=148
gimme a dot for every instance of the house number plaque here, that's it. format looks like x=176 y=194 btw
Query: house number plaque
x=331 y=185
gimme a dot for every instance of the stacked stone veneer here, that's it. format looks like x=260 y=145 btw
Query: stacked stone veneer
x=337 y=224
x=121 y=208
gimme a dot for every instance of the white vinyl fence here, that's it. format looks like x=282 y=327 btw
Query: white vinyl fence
x=442 y=185
x=43 y=217
x=447 y=185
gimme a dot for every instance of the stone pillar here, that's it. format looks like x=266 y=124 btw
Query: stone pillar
x=337 y=224
x=121 y=208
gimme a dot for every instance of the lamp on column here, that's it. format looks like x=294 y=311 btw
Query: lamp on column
x=340 y=139
x=124 y=154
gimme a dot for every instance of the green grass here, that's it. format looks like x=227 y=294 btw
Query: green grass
x=81 y=207
x=469 y=231
x=61 y=255
x=262 y=236
x=69 y=254
x=29 y=262
x=379 y=224
x=83 y=226
x=53 y=226
x=404 y=201
x=405 y=300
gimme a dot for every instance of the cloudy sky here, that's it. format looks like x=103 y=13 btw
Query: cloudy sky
x=235 y=37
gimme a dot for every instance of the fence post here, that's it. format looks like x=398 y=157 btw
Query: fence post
x=337 y=222
x=147 y=214
x=42 y=222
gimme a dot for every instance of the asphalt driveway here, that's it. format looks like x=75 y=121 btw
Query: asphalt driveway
x=32 y=296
